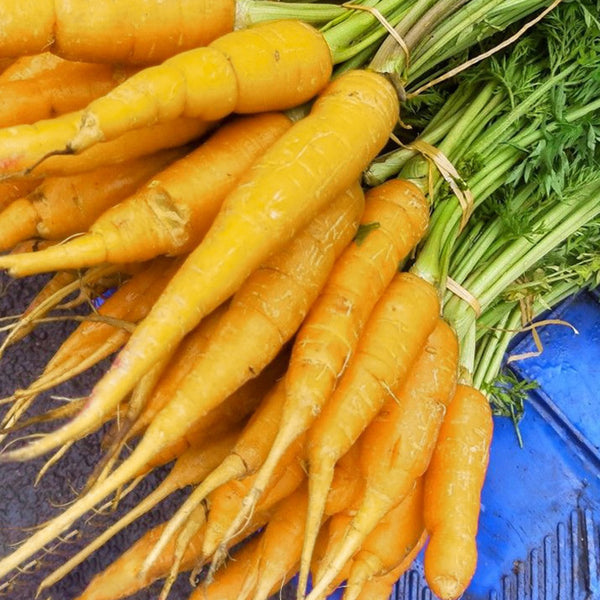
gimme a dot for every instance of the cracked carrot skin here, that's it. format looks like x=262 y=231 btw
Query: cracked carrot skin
x=453 y=484
x=121 y=31
x=395 y=217
x=172 y=211
x=272 y=66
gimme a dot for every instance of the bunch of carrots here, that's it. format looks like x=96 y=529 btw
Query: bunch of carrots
x=277 y=329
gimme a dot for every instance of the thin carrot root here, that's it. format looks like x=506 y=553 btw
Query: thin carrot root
x=191 y=466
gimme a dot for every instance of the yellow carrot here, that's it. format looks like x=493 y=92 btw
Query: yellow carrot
x=246 y=456
x=453 y=485
x=62 y=206
x=171 y=213
x=134 y=31
x=133 y=144
x=272 y=66
x=267 y=200
x=395 y=218
x=291 y=283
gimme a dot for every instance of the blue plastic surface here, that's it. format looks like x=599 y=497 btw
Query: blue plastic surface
x=539 y=531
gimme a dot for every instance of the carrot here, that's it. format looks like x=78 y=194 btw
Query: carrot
x=229 y=582
x=272 y=66
x=137 y=31
x=33 y=65
x=267 y=200
x=397 y=445
x=279 y=549
x=134 y=144
x=453 y=485
x=291 y=283
x=395 y=217
x=56 y=92
x=96 y=339
x=396 y=534
x=225 y=502
x=393 y=338
x=16 y=188
x=171 y=213
x=191 y=467
x=62 y=206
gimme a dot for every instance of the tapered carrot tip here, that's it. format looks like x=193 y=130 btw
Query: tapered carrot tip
x=449 y=571
x=85 y=251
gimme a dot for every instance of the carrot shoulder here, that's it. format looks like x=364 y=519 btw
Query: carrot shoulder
x=453 y=484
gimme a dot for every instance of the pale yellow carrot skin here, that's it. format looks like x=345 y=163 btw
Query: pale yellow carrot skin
x=453 y=484
x=278 y=203
x=133 y=31
x=284 y=289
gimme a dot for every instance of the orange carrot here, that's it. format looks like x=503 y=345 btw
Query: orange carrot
x=393 y=338
x=397 y=445
x=171 y=213
x=453 y=485
x=33 y=65
x=136 y=31
x=56 y=92
x=381 y=586
x=229 y=581
x=284 y=289
x=272 y=66
x=395 y=217
x=62 y=206
x=13 y=189
x=225 y=501
x=246 y=456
